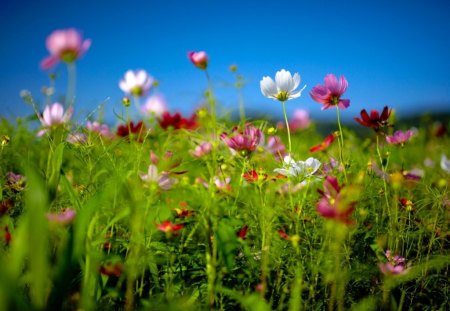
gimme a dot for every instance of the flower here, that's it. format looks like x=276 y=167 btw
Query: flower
x=168 y=227
x=222 y=184
x=254 y=176
x=124 y=130
x=242 y=234
x=15 y=181
x=177 y=121
x=300 y=120
x=64 y=217
x=199 y=59
x=374 y=120
x=400 y=137
x=300 y=168
x=99 y=128
x=136 y=83
x=325 y=144
x=330 y=93
x=65 y=45
x=54 y=116
x=334 y=204
x=395 y=265
x=163 y=180
x=201 y=150
x=445 y=163
x=155 y=105
x=283 y=88
x=76 y=138
x=276 y=147
x=244 y=142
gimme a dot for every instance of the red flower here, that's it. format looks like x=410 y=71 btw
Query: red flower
x=168 y=227
x=283 y=234
x=375 y=120
x=253 y=176
x=110 y=269
x=242 y=234
x=7 y=236
x=325 y=144
x=124 y=130
x=177 y=121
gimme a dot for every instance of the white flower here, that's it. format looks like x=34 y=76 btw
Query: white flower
x=301 y=168
x=445 y=163
x=163 y=180
x=136 y=83
x=155 y=104
x=283 y=88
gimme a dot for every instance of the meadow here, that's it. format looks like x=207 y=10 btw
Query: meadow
x=173 y=212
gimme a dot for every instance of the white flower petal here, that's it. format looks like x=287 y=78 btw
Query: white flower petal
x=268 y=87
x=283 y=80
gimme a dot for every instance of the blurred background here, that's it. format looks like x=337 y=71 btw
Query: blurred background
x=394 y=53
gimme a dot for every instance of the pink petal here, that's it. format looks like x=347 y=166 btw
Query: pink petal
x=49 y=62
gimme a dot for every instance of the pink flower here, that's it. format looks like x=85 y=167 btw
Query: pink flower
x=395 y=265
x=199 y=59
x=244 y=142
x=163 y=180
x=333 y=204
x=300 y=120
x=99 y=128
x=330 y=93
x=65 y=45
x=201 y=150
x=64 y=217
x=136 y=83
x=276 y=147
x=401 y=137
x=155 y=105
x=222 y=184
x=77 y=138
x=54 y=115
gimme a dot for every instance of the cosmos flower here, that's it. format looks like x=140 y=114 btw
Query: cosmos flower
x=169 y=227
x=124 y=130
x=202 y=150
x=374 y=120
x=77 y=138
x=333 y=204
x=445 y=163
x=136 y=83
x=97 y=127
x=401 y=137
x=177 y=121
x=155 y=105
x=325 y=144
x=329 y=94
x=54 y=116
x=395 y=265
x=283 y=88
x=65 y=45
x=302 y=169
x=244 y=142
x=199 y=59
x=276 y=147
x=163 y=180
x=63 y=217
x=254 y=176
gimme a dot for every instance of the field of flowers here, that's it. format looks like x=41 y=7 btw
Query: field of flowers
x=173 y=212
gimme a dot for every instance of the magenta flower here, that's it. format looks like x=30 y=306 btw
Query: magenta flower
x=395 y=265
x=64 y=217
x=400 y=137
x=199 y=59
x=163 y=180
x=244 y=142
x=136 y=83
x=101 y=129
x=53 y=116
x=276 y=147
x=65 y=45
x=330 y=93
x=201 y=150
x=333 y=204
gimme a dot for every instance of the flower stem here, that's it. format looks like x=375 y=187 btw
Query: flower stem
x=341 y=142
x=287 y=126
x=71 y=84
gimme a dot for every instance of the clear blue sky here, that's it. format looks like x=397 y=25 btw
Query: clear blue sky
x=393 y=53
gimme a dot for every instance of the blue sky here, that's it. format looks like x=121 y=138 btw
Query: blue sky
x=393 y=53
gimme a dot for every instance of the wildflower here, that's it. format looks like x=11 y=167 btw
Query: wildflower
x=222 y=184
x=300 y=168
x=199 y=59
x=330 y=93
x=406 y=203
x=54 y=116
x=15 y=181
x=76 y=138
x=7 y=236
x=445 y=163
x=155 y=105
x=97 y=127
x=111 y=269
x=136 y=83
x=65 y=45
x=374 y=120
x=395 y=265
x=202 y=149
x=183 y=212
x=177 y=121
x=283 y=234
x=331 y=165
x=64 y=217
x=163 y=180
x=254 y=176
x=300 y=120
x=334 y=204
x=244 y=142
x=168 y=227
x=401 y=137
x=124 y=130
x=325 y=144
x=242 y=234
x=283 y=88
x=276 y=147
x=5 y=205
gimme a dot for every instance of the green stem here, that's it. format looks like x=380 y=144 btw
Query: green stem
x=287 y=126
x=341 y=142
x=71 y=84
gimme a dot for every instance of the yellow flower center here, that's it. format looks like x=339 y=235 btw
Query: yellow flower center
x=282 y=96
x=69 y=56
